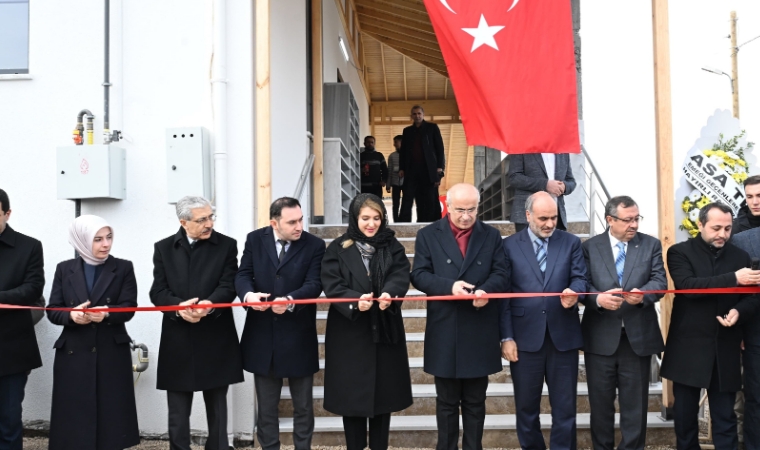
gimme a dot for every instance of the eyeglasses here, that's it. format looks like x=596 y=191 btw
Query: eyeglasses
x=203 y=220
x=636 y=219
x=469 y=212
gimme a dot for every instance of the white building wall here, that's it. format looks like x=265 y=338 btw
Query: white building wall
x=161 y=61
x=618 y=86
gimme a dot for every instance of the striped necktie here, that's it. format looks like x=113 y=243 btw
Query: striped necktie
x=620 y=262
x=541 y=254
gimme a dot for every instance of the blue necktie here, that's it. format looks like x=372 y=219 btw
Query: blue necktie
x=541 y=254
x=620 y=262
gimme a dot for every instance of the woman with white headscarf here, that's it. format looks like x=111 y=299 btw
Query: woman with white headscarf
x=93 y=395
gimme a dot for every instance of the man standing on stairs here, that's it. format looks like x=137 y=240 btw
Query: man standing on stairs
x=281 y=262
x=537 y=172
x=395 y=181
x=621 y=332
x=373 y=168
x=422 y=161
x=748 y=216
x=541 y=335
x=459 y=255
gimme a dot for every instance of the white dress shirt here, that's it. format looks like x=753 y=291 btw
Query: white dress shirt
x=550 y=161
x=278 y=249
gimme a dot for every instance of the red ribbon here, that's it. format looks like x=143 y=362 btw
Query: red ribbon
x=734 y=290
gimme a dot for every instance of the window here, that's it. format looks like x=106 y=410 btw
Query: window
x=14 y=36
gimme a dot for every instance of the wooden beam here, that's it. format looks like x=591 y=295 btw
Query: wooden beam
x=431 y=107
x=263 y=114
x=352 y=47
x=390 y=17
x=446 y=88
x=317 y=110
x=426 y=83
x=469 y=165
x=412 y=51
x=386 y=29
x=406 y=123
x=385 y=79
x=664 y=141
x=448 y=154
x=423 y=48
x=403 y=62
x=405 y=8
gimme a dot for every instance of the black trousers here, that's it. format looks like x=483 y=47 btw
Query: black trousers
x=418 y=189
x=686 y=409
x=628 y=373
x=180 y=405
x=356 y=432
x=470 y=395
x=374 y=189
x=396 y=196
x=751 y=362
x=268 y=390
x=11 y=397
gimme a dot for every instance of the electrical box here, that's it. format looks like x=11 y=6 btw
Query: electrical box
x=91 y=171
x=188 y=163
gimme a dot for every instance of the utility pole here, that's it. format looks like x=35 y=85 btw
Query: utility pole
x=734 y=65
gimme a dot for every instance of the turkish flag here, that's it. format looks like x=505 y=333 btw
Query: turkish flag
x=512 y=66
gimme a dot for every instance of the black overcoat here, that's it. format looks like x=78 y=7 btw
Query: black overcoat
x=203 y=355
x=696 y=339
x=281 y=345
x=362 y=378
x=22 y=278
x=461 y=341
x=93 y=404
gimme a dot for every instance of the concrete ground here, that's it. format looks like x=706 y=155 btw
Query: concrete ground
x=42 y=444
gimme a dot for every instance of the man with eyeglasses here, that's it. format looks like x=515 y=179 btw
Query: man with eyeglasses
x=199 y=348
x=22 y=278
x=621 y=331
x=460 y=255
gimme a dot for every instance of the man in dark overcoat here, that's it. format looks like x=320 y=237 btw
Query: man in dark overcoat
x=22 y=278
x=704 y=342
x=621 y=332
x=421 y=163
x=281 y=262
x=199 y=348
x=459 y=255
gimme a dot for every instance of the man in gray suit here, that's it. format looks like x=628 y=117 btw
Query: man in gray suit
x=528 y=174
x=621 y=331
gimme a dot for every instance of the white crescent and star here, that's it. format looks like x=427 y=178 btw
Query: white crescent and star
x=445 y=3
x=483 y=34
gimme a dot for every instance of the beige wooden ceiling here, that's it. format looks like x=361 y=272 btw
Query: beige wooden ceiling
x=404 y=67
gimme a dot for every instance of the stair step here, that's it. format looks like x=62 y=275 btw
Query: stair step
x=499 y=431
x=409 y=230
x=419 y=376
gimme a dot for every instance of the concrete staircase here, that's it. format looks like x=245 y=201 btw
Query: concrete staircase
x=415 y=427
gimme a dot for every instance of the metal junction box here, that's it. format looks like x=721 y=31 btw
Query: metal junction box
x=91 y=171
x=188 y=163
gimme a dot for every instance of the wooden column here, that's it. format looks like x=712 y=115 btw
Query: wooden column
x=317 y=112
x=263 y=144
x=664 y=138
x=734 y=65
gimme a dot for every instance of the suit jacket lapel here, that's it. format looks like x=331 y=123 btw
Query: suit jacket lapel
x=552 y=254
x=267 y=242
x=473 y=247
x=631 y=254
x=542 y=165
x=449 y=244
x=294 y=248
x=528 y=250
x=353 y=260
x=104 y=280
x=78 y=282
x=605 y=252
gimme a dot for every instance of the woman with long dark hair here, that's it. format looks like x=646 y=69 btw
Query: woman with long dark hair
x=366 y=362
x=93 y=394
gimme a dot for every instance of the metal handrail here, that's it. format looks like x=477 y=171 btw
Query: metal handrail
x=307 y=165
x=595 y=172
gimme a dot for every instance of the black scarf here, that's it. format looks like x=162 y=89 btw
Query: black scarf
x=384 y=331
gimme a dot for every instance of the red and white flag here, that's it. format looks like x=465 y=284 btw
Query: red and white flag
x=512 y=66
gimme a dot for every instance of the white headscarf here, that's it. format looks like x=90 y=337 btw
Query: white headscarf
x=82 y=233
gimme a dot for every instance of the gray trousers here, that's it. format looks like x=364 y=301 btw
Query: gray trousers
x=268 y=390
x=628 y=374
